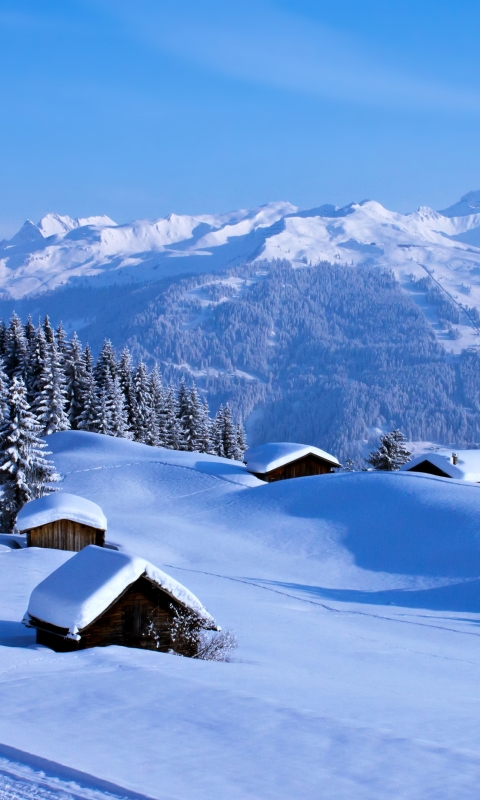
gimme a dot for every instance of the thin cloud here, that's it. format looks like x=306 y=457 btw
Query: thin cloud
x=263 y=45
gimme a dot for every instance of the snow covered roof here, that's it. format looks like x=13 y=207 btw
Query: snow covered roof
x=79 y=591
x=270 y=456
x=467 y=467
x=60 y=505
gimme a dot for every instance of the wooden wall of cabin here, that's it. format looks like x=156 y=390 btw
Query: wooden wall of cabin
x=301 y=468
x=142 y=617
x=65 y=535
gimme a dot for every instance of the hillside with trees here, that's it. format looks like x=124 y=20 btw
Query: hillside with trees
x=330 y=355
x=50 y=383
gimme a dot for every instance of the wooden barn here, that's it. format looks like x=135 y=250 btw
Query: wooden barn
x=62 y=521
x=278 y=461
x=101 y=597
x=461 y=465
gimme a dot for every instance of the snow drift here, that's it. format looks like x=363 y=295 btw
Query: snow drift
x=355 y=601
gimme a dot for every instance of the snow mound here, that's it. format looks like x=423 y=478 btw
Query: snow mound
x=270 y=456
x=346 y=530
x=79 y=591
x=61 y=505
x=351 y=680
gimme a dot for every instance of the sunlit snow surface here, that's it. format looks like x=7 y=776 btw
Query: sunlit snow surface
x=354 y=597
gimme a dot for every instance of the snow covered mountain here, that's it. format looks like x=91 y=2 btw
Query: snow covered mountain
x=445 y=245
x=280 y=312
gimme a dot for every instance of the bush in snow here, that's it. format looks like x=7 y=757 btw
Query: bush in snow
x=217 y=645
x=187 y=633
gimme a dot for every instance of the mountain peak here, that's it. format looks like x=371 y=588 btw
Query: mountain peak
x=29 y=232
x=52 y=224
x=56 y=224
x=468 y=204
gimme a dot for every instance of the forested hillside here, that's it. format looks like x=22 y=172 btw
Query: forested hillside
x=326 y=354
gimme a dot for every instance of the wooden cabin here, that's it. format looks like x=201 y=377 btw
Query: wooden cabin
x=101 y=597
x=62 y=521
x=278 y=461
x=461 y=465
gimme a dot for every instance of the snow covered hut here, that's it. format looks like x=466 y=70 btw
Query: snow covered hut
x=101 y=597
x=463 y=465
x=62 y=521
x=279 y=460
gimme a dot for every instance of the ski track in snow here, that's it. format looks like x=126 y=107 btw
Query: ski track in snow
x=22 y=782
x=326 y=607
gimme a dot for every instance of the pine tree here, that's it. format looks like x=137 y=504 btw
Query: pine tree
x=36 y=360
x=89 y=362
x=183 y=411
x=182 y=399
x=145 y=424
x=204 y=438
x=229 y=434
x=16 y=349
x=217 y=434
x=61 y=337
x=241 y=442
x=125 y=372
x=26 y=473
x=118 y=414
x=48 y=330
x=62 y=344
x=76 y=381
x=103 y=411
x=158 y=401
x=4 y=389
x=87 y=420
x=391 y=454
x=49 y=405
x=3 y=337
x=173 y=431
x=191 y=418
x=106 y=366
x=29 y=329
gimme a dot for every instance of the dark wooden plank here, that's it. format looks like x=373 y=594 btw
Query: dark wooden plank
x=65 y=535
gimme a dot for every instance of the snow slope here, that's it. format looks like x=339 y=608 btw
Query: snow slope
x=445 y=245
x=355 y=601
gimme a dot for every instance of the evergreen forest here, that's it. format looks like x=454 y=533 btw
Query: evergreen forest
x=50 y=383
x=329 y=355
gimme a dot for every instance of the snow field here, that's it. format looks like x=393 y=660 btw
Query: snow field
x=353 y=597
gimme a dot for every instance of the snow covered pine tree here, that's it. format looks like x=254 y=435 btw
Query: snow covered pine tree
x=25 y=472
x=391 y=453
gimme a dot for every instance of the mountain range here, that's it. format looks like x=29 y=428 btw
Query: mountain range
x=324 y=325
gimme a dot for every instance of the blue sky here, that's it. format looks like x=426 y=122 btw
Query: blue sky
x=137 y=109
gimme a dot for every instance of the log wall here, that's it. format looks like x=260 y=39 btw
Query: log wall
x=142 y=617
x=301 y=468
x=65 y=535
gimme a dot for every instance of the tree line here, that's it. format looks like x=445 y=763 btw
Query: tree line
x=51 y=383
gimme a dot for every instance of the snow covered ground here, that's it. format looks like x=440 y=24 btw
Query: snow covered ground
x=355 y=600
